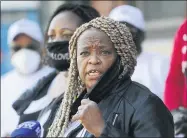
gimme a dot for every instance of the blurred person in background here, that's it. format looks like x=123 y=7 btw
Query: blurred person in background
x=25 y=40
x=61 y=26
x=175 y=96
x=152 y=68
x=176 y=87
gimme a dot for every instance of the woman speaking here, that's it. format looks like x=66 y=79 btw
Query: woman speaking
x=101 y=100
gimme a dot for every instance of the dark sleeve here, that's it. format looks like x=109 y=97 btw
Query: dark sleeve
x=152 y=119
x=35 y=93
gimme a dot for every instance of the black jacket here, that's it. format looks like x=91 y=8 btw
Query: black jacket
x=134 y=111
x=131 y=110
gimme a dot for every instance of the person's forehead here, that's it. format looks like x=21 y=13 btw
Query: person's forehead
x=21 y=40
x=21 y=36
x=94 y=35
x=66 y=19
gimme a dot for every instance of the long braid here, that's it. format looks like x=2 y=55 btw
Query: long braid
x=86 y=13
x=125 y=47
x=64 y=110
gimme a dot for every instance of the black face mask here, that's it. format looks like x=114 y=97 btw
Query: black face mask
x=58 y=55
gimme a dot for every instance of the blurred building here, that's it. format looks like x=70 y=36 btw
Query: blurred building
x=162 y=20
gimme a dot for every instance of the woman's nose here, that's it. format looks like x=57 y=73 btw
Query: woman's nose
x=94 y=59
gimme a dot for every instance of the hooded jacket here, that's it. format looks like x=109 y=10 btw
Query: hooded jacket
x=175 y=94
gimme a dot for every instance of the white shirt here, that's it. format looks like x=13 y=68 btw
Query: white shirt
x=151 y=71
x=13 y=85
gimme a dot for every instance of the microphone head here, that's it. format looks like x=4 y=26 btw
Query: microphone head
x=28 y=129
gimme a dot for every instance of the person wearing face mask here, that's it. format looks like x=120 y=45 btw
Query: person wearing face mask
x=152 y=68
x=62 y=24
x=25 y=40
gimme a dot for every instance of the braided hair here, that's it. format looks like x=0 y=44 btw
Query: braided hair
x=137 y=34
x=125 y=48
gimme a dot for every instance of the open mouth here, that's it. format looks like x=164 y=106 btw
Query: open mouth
x=94 y=73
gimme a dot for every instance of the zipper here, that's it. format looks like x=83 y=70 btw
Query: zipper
x=115 y=118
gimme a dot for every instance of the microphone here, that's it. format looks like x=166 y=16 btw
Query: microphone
x=27 y=129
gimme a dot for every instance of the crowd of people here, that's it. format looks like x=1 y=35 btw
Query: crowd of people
x=88 y=76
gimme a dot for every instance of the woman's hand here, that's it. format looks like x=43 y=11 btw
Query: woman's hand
x=90 y=116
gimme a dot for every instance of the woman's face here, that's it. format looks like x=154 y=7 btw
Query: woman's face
x=24 y=41
x=95 y=54
x=63 y=26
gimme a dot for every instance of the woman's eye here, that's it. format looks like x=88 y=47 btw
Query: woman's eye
x=104 y=52
x=67 y=36
x=85 y=53
x=51 y=37
x=16 y=48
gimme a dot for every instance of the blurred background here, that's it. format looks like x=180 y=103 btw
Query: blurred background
x=162 y=20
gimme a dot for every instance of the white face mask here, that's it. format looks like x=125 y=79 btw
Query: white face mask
x=26 y=61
